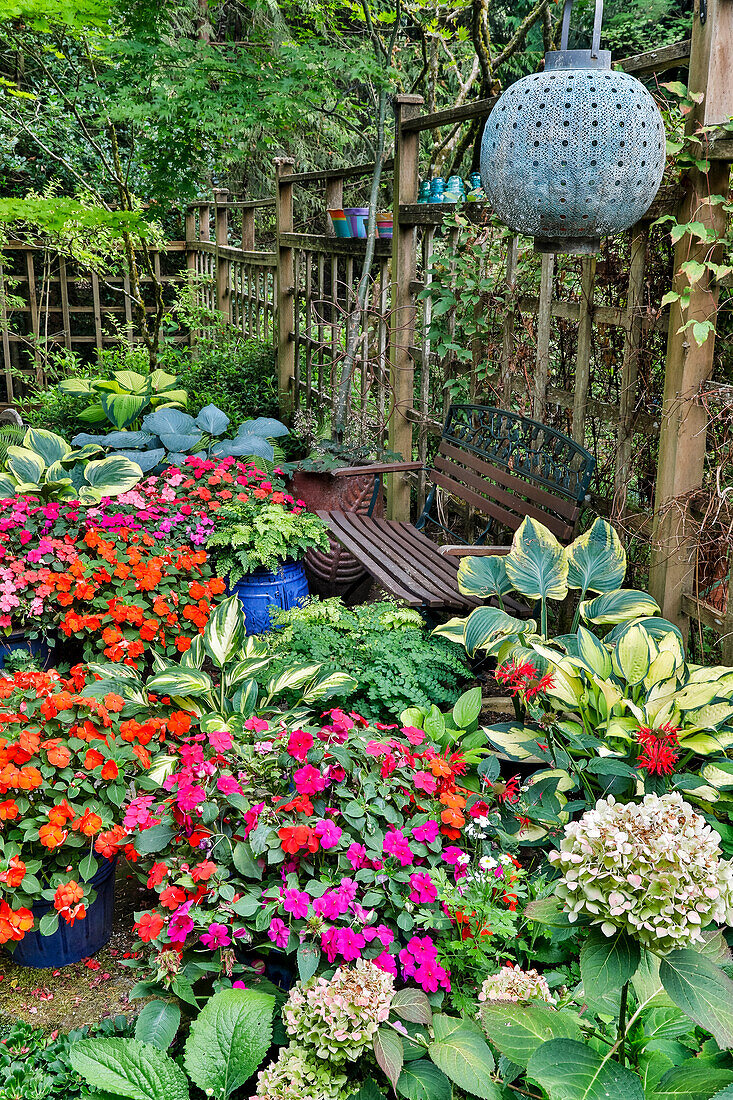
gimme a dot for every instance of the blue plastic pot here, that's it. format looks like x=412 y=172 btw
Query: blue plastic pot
x=71 y=943
x=11 y=643
x=262 y=590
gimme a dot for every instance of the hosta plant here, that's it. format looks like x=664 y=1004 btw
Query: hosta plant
x=621 y=715
x=228 y=1040
x=45 y=466
x=167 y=436
x=540 y=571
x=124 y=399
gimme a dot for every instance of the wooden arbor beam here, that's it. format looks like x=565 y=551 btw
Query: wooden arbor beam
x=401 y=366
x=285 y=288
x=682 y=439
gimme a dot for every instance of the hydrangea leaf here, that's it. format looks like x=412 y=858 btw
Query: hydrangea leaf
x=229 y=1039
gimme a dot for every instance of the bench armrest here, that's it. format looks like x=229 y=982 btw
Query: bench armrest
x=376 y=468
x=473 y=551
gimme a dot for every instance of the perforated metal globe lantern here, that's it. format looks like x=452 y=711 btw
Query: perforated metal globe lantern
x=573 y=153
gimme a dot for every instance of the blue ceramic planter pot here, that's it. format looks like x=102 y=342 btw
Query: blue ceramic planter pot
x=261 y=590
x=71 y=944
x=11 y=643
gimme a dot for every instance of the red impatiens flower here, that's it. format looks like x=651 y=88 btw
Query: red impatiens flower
x=149 y=926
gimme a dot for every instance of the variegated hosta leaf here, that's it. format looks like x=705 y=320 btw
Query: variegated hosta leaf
x=537 y=566
x=618 y=607
x=181 y=681
x=484 y=576
x=697 y=695
x=719 y=773
x=710 y=717
x=292 y=678
x=517 y=742
x=705 y=743
x=593 y=653
x=596 y=559
x=194 y=655
x=662 y=668
x=487 y=625
x=224 y=631
x=631 y=655
x=454 y=630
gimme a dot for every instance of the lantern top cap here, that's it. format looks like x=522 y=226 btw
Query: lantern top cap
x=594 y=58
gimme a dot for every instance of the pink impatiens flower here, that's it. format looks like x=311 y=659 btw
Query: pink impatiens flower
x=300 y=743
x=296 y=902
x=308 y=780
x=329 y=834
x=217 y=935
x=356 y=855
x=220 y=740
x=427 y=833
x=422 y=888
x=425 y=781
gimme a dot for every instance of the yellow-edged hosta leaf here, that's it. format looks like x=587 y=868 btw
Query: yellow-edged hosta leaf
x=695 y=696
x=719 y=774
x=484 y=576
x=536 y=565
x=594 y=653
x=454 y=629
x=596 y=559
x=618 y=606
x=705 y=743
x=661 y=669
x=711 y=717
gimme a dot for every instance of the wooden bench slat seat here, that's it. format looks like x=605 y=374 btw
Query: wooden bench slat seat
x=500 y=464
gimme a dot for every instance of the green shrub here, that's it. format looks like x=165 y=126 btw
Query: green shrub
x=385 y=647
x=236 y=375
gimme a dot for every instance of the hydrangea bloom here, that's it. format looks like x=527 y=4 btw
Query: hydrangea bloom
x=340 y=1017
x=296 y=1075
x=512 y=983
x=651 y=869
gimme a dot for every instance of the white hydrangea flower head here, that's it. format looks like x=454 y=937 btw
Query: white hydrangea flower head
x=512 y=983
x=339 y=1018
x=297 y=1074
x=651 y=869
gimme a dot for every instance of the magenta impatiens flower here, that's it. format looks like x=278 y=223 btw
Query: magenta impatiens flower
x=278 y=933
x=422 y=888
x=425 y=781
x=426 y=833
x=308 y=780
x=296 y=902
x=300 y=743
x=356 y=855
x=217 y=935
x=220 y=740
x=397 y=845
x=329 y=834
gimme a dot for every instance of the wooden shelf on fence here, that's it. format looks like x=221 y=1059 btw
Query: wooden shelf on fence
x=705 y=613
x=336 y=246
x=227 y=252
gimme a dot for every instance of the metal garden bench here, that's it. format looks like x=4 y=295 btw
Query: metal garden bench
x=500 y=465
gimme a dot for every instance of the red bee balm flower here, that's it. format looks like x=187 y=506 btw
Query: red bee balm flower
x=659 y=753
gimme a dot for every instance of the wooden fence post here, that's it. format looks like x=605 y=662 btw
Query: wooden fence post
x=285 y=289
x=683 y=426
x=404 y=270
x=190 y=238
x=221 y=215
x=248 y=229
x=334 y=201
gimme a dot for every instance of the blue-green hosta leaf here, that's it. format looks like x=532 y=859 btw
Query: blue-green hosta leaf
x=158 y=1023
x=421 y=1080
x=484 y=576
x=182 y=442
x=596 y=559
x=126 y=1067
x=8 y=485
x=570 y=1070
x=170 y=421
x=26 y=465
x=536 y=565
x=702 y=990
x=122 y=408
x=607 y=962
x=266 y=426
x=463 y=1055
x=118 y=440
x=229 y=1039
x=224 y=631
x=112 y=475
x=618 y=607
x=486 y=626
x=518 y=1030
x=48 y=445
x=242 y=446
x=212 y=420
x=146 y=460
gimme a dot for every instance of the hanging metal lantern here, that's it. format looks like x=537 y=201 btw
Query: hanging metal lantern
x=573 y=153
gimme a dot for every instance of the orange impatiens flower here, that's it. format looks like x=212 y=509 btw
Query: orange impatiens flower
x=110 y=770
x=149 y=926
x=52 y=836
x=108 y=842
x=93 y=759
x=14 y=923
x=68 y=901
x=114 y=702
x=8 y=810
x=15 y=872
x=89 y=823
x=56 y=753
